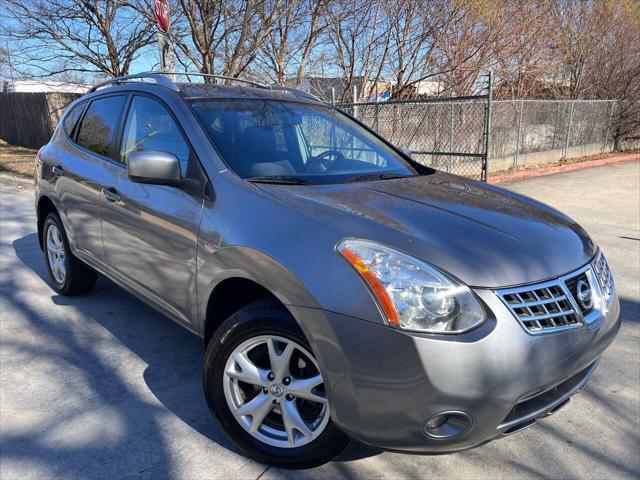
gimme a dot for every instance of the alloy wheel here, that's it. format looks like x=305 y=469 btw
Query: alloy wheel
x=275 y=391
x=56 y=254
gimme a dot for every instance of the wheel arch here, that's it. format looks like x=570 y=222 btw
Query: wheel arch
x=260 y=276
x=45 y=206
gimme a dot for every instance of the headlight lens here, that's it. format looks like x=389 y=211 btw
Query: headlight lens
x=412 y=294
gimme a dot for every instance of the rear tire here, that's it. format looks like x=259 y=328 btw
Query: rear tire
x=68 y=275
x=278 y=379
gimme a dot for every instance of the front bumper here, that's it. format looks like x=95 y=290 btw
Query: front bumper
x=384 y=384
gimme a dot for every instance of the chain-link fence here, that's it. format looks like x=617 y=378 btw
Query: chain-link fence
x=450 y=134
x=447 y=134
x=528 y=132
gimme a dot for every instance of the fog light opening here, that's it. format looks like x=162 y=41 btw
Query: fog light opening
x=447 y=425
x=519 y=426
x=559 y=406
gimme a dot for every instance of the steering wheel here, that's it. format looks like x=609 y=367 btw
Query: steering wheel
x=323 y=161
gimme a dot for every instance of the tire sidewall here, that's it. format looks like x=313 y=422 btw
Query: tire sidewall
x=238 y=328
x=53 y=219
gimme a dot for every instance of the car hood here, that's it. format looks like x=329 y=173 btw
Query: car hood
x=483 y=235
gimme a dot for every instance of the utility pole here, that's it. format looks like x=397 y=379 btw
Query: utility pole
x=163 y=19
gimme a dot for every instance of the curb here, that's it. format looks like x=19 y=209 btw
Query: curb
x=538 y=172
x=21 y=183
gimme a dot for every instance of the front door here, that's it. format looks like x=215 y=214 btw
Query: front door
x=150 y=231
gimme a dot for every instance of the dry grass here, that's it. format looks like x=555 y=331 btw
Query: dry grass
x=18 y=161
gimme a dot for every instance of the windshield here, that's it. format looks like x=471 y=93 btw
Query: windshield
x=288 y=142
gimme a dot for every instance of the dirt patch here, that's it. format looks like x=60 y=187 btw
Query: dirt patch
x=18 y=161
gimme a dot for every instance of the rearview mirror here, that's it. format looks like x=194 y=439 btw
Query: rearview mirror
x=406 y=151
x=147 y=166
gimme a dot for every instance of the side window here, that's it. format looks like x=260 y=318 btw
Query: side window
x=71 y=118
x=99 y=125
x=150 y=126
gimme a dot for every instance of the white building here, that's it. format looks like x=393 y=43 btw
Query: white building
x=43 y=86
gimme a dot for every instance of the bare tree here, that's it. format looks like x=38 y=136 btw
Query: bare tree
x=359 y=36
x=613 y=69
x=522 y=57
x=5 y=63
x=575 y=40
x=289 y=46
x=471 y=43
x=415 y=32
x=54 y=36
x=222 y=36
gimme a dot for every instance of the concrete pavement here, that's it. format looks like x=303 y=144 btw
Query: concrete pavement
x=101 y=386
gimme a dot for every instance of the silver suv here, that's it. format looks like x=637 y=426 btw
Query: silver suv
x=342 y=290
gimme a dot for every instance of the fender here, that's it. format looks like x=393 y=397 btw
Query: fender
x=215 y=266
x=243 y=262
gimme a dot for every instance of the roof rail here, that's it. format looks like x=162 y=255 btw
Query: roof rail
x=297 y=91
x=218 y=77
x=159 y=79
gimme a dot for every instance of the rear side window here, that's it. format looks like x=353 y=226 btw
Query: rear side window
x=99 y=124
x=72 y=117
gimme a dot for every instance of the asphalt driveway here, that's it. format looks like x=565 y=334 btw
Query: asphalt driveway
x=101 y=386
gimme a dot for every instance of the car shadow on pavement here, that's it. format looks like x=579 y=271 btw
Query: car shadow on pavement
x=172 y=354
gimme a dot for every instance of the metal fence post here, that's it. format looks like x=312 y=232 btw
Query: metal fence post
x=355 y=104
x=519 y=137
x=453 y=106
x=333 y=96
x=377 y=111
x=555 y=125
x=606 y=135
x=487 y=130
x=566 y=140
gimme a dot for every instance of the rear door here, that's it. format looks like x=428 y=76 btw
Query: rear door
x=80 y=177
x=150 y=231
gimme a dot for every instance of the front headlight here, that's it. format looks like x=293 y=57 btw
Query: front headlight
x=412 y=294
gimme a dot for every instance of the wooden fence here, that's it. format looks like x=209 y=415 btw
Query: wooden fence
x=28 y=119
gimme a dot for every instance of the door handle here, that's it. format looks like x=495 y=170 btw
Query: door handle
x=110 y=194
x=57 y=171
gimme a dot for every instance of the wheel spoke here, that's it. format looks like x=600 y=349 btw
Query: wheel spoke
x=51 y=245
x=303 y=388
x=61 y=267
x=249 y=372
x=257 y=408
x=282 y=393
x=280 y=361
x=293 y=421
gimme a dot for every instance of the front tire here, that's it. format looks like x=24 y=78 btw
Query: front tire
x=69 y=276
x=263 y=385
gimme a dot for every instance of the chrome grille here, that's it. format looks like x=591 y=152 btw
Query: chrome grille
x=554 y=305
x=603 y=274
x=572 y=285
x=541 y=308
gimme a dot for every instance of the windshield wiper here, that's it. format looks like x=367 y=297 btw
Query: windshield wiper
x=376 y=176
x=280 y=179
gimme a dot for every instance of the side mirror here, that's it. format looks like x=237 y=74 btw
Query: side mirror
x=147 y=166
x=406 y=151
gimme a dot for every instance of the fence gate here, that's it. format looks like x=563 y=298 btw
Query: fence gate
x=450 y=134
